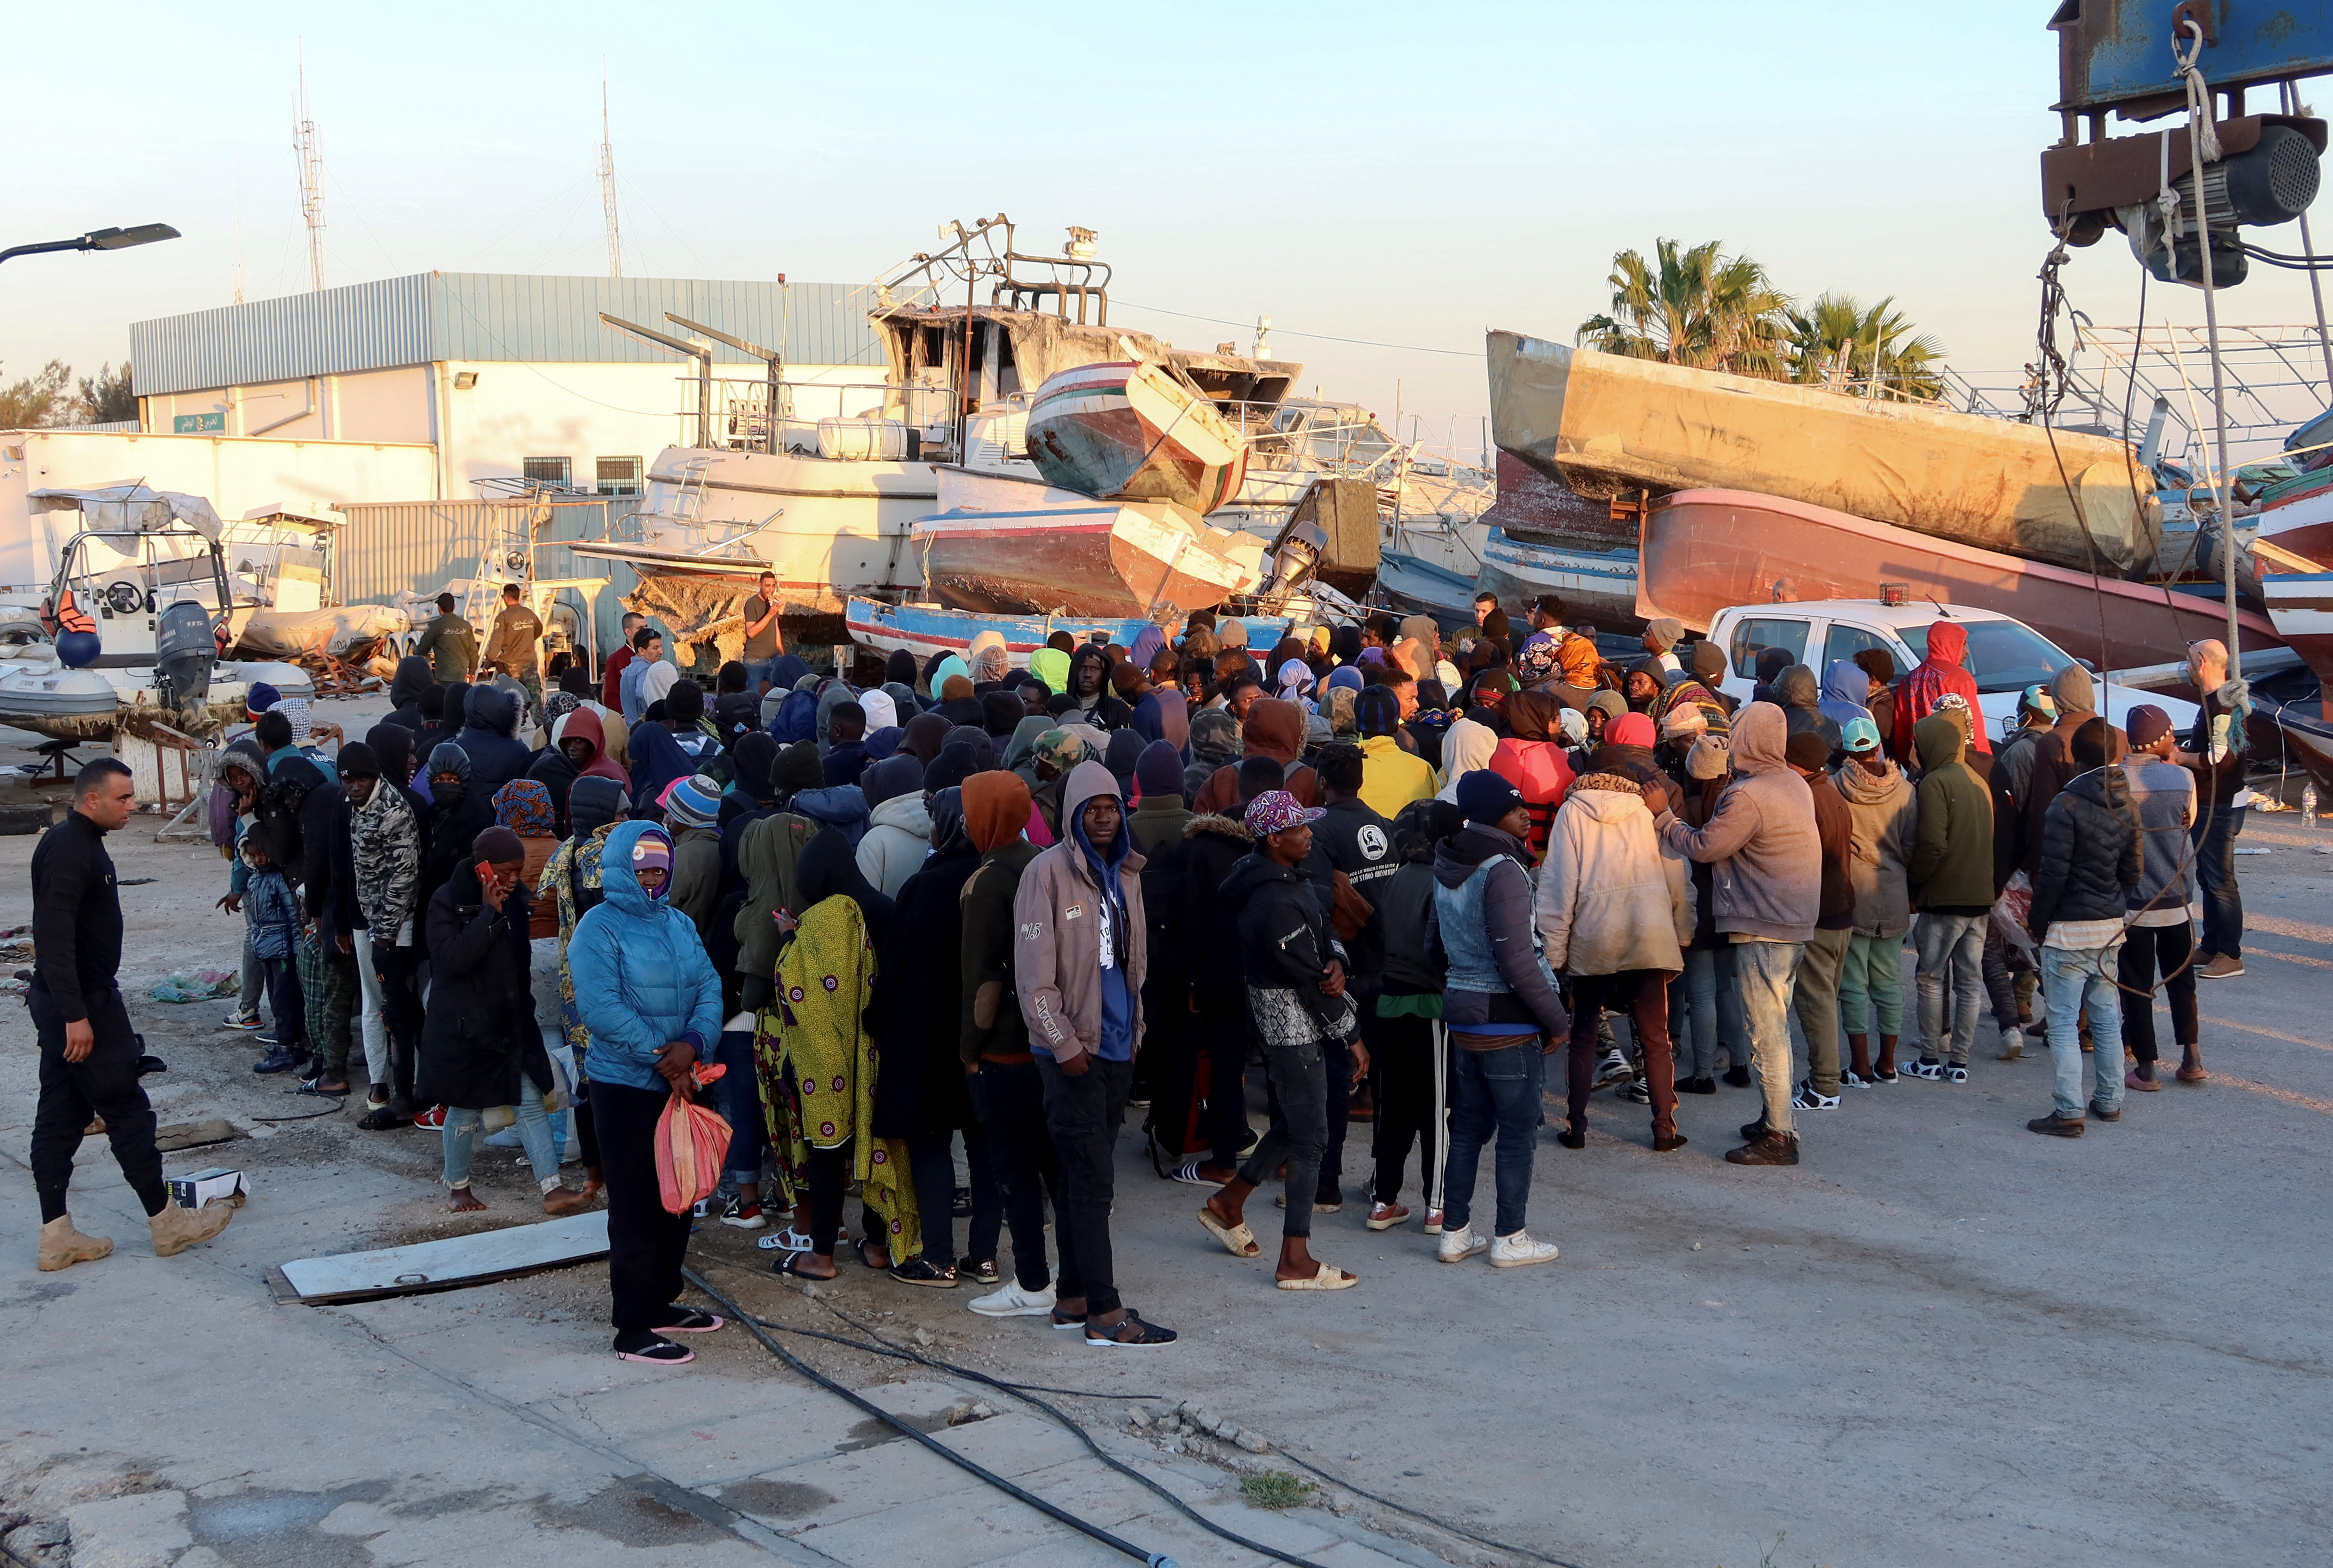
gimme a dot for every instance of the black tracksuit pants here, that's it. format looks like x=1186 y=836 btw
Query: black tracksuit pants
x=646 y=1246
x=102 y=1084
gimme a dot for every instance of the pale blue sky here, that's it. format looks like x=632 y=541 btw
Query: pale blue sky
x=1406 y=174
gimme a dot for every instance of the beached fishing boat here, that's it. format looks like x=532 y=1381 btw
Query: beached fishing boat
x=1603 y=423
x=925 y=629
x=1597 y=586
x=1702 y=550
x=1128 y=430
x=1103 y=558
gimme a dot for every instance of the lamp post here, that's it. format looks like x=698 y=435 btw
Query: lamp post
x=97 y=240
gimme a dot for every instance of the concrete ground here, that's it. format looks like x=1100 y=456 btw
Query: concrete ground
x=1938 y=1339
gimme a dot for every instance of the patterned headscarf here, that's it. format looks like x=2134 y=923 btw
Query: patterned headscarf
x=1061 y=750
x=524 y=807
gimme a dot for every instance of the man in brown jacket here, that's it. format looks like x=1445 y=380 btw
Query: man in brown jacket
x=1815 y=990
x=515 y=643
x=1080 y=956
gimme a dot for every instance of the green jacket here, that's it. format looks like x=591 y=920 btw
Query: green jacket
x=450 y=646
x=991 y=1006
x=1951 y=848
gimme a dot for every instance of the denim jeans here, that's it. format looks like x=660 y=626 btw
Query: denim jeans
x=740 y=1105
x=1871 y=986
x=1762 y=973
x=1952 y=947
x=2216 y=872
x=1814 y=997
x=460 y=1138
x=1298 y=1134
x=2071 y=978
x=1491 y=1092
x=757 y=672
x=376 y=1018
x=1706 y=1011
x=254 y=978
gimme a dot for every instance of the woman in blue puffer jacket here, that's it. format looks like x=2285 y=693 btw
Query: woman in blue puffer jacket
x=652 y=1002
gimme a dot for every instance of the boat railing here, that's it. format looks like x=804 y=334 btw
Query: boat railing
x=763 y=415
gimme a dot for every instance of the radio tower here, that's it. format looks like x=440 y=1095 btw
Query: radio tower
x=312 y=182
x=608 y=184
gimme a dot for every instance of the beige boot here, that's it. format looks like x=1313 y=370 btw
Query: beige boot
x=2012 y=1045
x=62 y=1246
x=177 y=1228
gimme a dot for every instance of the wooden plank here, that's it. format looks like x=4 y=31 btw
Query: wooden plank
x=456 y=1262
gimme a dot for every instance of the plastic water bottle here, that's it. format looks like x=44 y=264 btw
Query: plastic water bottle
x=2309 y=804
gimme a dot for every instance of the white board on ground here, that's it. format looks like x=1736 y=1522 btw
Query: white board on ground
x=478 y=1258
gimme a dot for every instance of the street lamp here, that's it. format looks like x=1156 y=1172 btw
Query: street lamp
x=99 y=240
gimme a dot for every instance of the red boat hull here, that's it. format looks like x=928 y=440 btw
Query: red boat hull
x=1106 y=560
x=1703 y=551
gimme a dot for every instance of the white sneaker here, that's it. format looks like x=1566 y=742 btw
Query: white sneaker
x=1458 y=1246
x=1612 y=1069
x=1519 y=1251
x=1013 y=1301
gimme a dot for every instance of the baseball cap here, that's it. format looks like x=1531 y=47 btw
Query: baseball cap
x=1277 y=809
x=1859 y=734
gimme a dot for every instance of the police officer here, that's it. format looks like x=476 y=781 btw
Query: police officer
x=88 y=1056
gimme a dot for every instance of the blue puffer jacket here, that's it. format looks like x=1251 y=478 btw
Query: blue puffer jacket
x=641 y=977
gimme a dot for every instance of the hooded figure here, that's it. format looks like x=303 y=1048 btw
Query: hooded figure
x=1050 y=666
x=923 y=736
x=842 y=808
x=987 y=660
x=458 y=814
x=1800 y=699
x=882 y=713
x=1939 y=673
x=1214 y=743
x=657 y=759
x=404 y=689
x=1274 y=728
x=830 y=696
x=1844 y=686
x=899 y=666
x=1760 y=838
x=790 y=716
x=1001 y=713
x=556 y=770
x=478 y=1034
x=490 y=735
x=900 y=828
x=1081 y=955
x=1468 y=745
x=1021 y=750
x=1533 y=760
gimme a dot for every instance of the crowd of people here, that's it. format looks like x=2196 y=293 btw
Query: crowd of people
x=943 y=932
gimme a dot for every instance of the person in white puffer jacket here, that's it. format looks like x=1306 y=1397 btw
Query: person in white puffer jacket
x=899 y=831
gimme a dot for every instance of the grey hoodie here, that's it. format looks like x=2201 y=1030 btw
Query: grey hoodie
x=1883 y=812
x=1760 y=842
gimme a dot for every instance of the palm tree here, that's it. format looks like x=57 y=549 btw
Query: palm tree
x=1692 y=306
x=1837 y=342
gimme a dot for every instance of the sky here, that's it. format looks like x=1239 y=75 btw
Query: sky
x=1403 y=177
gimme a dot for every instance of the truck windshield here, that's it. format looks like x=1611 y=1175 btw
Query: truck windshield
x=2003 y=656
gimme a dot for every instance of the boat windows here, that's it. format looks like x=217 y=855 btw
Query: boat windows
x=1752 y=638
x=2003 y=656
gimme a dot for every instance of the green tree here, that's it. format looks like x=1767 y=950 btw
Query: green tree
x=1695 y=307
x=106 y=397
x=1839 y=342
x=38 y=400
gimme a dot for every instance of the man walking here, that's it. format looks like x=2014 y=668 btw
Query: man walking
x=448 y=644
x=1078 y=966
x=612 y=673
x=516 y=643
x=89 y=1054
x=2215 y=752
x=1766 y=855
x=762 y=642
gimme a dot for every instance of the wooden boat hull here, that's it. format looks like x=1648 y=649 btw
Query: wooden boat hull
x=1704 y=550
x=1129 y=431
x=1108 y=559
x=1597 y=586
x=1533 y=506
x=925 y=629
x=1601 y=423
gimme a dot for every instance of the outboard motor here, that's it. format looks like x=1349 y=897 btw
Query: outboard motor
x=184 y=653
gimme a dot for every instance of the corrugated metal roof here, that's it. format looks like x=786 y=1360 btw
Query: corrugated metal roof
x=435 y=316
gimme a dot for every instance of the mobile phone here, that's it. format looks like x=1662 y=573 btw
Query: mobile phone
x=486 y=869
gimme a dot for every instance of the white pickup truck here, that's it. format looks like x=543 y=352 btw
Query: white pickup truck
x=2004 y=654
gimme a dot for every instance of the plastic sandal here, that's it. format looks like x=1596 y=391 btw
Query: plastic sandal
x=1329 y=1277
x=1237 y=1239
x=786 y=1240
x=1189 y=1175
x=791 y=1265
x=1146 y=1335
x=693 y=1321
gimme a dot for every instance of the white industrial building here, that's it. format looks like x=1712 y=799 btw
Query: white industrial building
x=506 y=377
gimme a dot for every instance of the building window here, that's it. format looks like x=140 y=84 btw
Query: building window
x=558 y=471
x=620 y=476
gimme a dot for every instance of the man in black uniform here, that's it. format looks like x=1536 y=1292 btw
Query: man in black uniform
x=89 y=1056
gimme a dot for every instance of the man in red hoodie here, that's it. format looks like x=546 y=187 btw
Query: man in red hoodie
x=1939 y=673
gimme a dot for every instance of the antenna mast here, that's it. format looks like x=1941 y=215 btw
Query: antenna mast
x=311 y=181
x=608 y=183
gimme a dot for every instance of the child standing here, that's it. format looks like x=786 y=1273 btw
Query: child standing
x=274 y=928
